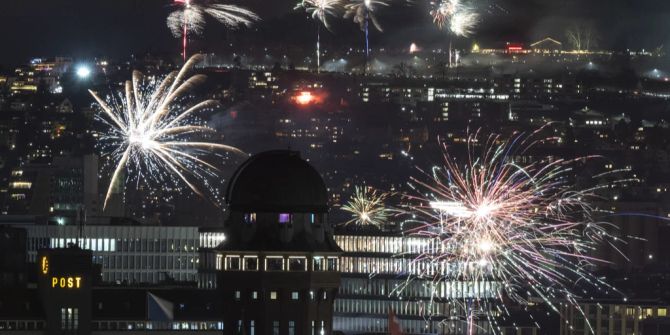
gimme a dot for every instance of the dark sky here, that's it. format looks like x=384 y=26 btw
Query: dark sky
x=86 y=28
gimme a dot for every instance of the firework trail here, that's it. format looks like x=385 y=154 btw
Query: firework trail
x=362 y=12
x=149 y=130
x=522 y=226
x=367 y=206
x=320 y=10
x=189 y=17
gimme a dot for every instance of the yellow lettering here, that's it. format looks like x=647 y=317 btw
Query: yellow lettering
x=66 y=282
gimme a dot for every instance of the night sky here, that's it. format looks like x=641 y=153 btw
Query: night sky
x=118 y=28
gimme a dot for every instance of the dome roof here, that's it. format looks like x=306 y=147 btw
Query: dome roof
x=277 y=181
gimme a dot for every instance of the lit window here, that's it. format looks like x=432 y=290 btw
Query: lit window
x=291 y=328
x=232 y=263
x=284 y=218
x=238 y=295
x=273 y=295
x=295 y=295
x=275 y=327
x=254 y=295
x=250 y=263
x=662 y=312
x=250 y=218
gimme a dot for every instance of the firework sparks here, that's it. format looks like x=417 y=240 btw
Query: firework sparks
x=525 y=227
x=150 y=127
x=189 y=17
x=454 y=15
x=367 y=207
x=362 y=12
x=320 y=10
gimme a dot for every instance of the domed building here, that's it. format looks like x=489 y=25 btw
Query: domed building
x=278 y=269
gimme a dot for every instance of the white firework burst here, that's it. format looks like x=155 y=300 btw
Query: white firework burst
x=190 y=16
x=321 y=9
x=150 y=131
x=363 y=11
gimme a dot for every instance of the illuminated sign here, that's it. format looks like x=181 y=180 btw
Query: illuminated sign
x=45 y=265
x=65 y=282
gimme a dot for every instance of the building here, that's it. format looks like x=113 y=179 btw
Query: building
x=613 y=317
x=61 y=188
x=129 y=253
x=278 y=270
x=13 y=268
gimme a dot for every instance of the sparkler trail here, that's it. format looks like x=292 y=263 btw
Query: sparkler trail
x=367 y=206
x=149 y=131
x=190 y=15
x=320 y=10
x=522 y=226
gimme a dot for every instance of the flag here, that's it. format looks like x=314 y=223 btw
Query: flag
x=394 y=324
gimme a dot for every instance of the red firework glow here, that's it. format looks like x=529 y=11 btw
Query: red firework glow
x=304 y=98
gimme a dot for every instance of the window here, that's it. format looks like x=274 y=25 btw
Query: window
x=295 y=295
x=238 y=295
x=252 y=327
x=250 y=263
x=250 y=218
x=274 y=263
x=273 y=295
x=232 y=263
x=325 y=295
x=291 y=328
x=275 y=327
x=662 y=312
x=297 y=264
x=69 y=318
x=311 y=295
x=317 y=264
x=285 y=218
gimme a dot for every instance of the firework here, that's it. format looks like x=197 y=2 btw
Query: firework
x=367 y=207
x=454 y=15
x=189 y=17
x=149 y=130
x=522 y=226
x=363 y=12
x=320 y=10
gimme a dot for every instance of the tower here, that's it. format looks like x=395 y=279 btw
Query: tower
x=278 y=270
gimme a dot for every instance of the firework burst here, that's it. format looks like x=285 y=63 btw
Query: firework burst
x=523 y=227
x=189 y=17
x=363 y=12
x=459 y=18
x=367 y=206
x=150 y=129
x=320 y=10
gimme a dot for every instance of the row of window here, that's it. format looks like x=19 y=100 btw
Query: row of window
x=275 y=295
x=283 y=218
x=386 y=244
x=357 y=324
x=157 y=325
x=276 y=263
x=419 y=288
